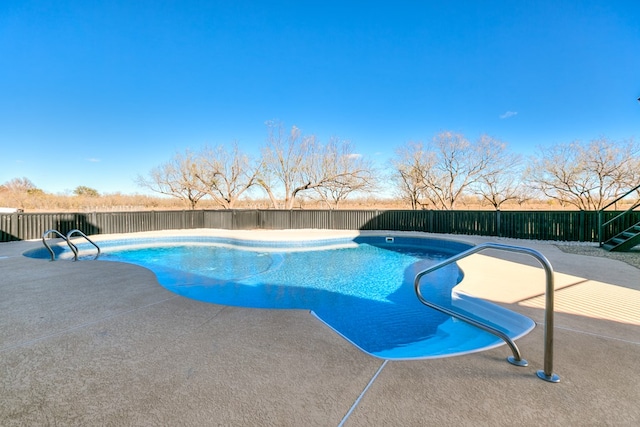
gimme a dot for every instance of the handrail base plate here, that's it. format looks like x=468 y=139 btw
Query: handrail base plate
x=553 y=378
x=516 y=362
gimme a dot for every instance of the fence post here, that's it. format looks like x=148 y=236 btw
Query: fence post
x=581 y=225
x=600 y=228
x=498 y=231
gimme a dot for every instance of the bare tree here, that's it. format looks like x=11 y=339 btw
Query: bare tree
x=501 y=181
x=283 y=158
x=458 y=165
x=19 y=191
x=411 y=165
x=225 y=175
x=585 y=175
x=294 y=163
x=20 y=185
x=342 y=172
x=176 y=178
x=441 y=172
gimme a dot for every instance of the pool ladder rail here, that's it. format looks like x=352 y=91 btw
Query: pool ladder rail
x=546 y=373
x=67 y=239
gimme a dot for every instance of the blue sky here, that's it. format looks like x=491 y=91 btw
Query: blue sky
x=97 y=92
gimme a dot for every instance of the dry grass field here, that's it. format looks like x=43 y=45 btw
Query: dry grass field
x=45 y=202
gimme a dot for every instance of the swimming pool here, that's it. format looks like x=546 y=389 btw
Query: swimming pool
x=361 y=287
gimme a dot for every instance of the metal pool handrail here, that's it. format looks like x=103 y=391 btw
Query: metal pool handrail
x=545 y=374
x=46 y=245
x=67 y=239
x=74 y=248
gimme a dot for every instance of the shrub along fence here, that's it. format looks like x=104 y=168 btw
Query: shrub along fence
x=580 y=226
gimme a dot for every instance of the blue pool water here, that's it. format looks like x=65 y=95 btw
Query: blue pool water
x=362 y=288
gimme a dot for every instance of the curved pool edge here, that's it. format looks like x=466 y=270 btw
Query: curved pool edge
x=266 y=239
x=276 y=234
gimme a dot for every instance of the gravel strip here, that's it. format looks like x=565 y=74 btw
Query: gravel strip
x=632 y=257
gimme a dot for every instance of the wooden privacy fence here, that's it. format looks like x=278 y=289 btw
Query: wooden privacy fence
x=580 y=226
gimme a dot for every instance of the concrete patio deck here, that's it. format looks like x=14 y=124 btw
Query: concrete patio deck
x=102 y=343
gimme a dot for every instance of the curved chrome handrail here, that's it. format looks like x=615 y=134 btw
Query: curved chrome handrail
x=546 y=374
x=74 y=248
x=46 y=245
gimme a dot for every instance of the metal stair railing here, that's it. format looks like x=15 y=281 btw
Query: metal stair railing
x=74 y=248
x=602 y=225
x=546 y=373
